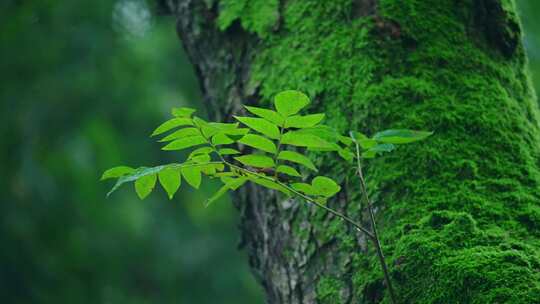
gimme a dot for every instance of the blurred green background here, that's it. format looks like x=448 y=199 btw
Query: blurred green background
x=82 y=85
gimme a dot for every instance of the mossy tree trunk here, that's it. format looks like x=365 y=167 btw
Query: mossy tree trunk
x=459 y=214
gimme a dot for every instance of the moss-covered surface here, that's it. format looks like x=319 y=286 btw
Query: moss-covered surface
x=459 y=213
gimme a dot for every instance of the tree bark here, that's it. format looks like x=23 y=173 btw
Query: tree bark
x=459 y=214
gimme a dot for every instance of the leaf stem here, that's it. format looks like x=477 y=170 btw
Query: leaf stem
x=308 y=199
x=276 y=160
x=375 y=239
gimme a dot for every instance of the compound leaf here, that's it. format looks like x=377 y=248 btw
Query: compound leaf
x=325 y=186
x=268 y=183
x=182 y=112
x=138 y=173
x=298 y=121
x=211 y=168
x=144 y=185
x=184 y=143
x=260 y=125
x=272 y=116
x=400 y=136
x=172 y=123
x=224 y=126
x=367 y=143
x=230 y=183
x=201 y=158
x=325 y=132
x=305 y=140
x=258 y=142
x=288 y=170
x=254 y=160
x=304 y=188
x=346 y=154
x=347 y=141
x=170 y=180
x=236 y=132
x=199 y=151
x=228 y=151
x=185 y=132
x=221 y=139
x=378 y=149
x=117 y=172
x=192 y=175
x=290 y=102
x=297 y=158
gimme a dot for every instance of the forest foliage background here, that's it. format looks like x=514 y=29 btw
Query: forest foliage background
x=83 y=83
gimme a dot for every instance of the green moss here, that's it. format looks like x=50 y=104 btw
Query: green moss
x=256 y=16
x=459 y=213
x=329 y=291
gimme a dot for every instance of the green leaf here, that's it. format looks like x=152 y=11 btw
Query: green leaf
x=199 y=151
x=206 y=128
x=184 y=143
x=209 y=131
x=357 y=136
x=290 y=102
x=304 y=140
x=400 y=136
x=304 y=188
x=221 y=139
x=260 y=125
x=236 y=132
x=345 y=140
x=259 y=142
x=298 y=121
x=226 y=174
x=234 y=182
x=297 y=158
x=117 y=172
x=325 y=186
x=229 y=184
x=170 y=180
x=346 y=154
x=182 y=112
x=364 y=142
x=383 y=148
x=228 y=151
x=369 y=154
x=218 y=194
x=268 y=183
x=192 y=175
x=201 y=158
x=138 y=173
x=288 y=170
x=172 y=123
x=145 y=185
x=272 y=116
x=199 y=122
x=224 y=126
x=378 y=149
x=325 y=132
x=367 y=143
x=210 y=169
x=185 y=132
x=330 y=147
x=254 y=160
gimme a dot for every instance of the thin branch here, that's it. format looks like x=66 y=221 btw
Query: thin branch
x=308 y=199
x=376 y=239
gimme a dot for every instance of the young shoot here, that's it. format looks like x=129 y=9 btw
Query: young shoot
x=267 y=149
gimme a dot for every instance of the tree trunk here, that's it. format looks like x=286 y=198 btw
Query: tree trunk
x=459 y=214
